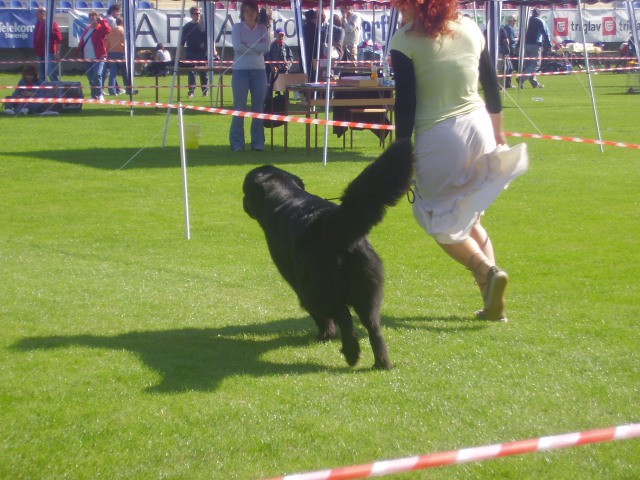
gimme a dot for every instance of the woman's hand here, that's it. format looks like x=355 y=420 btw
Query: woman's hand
x=498 y=132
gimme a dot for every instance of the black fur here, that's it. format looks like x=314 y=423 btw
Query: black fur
x=321 y=248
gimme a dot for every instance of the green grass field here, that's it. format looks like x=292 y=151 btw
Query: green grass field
x=128 y=351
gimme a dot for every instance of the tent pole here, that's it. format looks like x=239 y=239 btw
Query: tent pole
x=327 y=104
x=209 y=19
x=176 y=62
x=318 y=44
x=588 y=67
x=48 y=27
x=391 y=30
x=373 y=28
x=130 y=8
x=183 y=163
x=523 y=13
x=634 y=32
x=493 y=12
x=296 y=8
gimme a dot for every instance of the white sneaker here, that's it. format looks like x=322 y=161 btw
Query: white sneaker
x=101 y=98
x=9 y=111
x=22 y=112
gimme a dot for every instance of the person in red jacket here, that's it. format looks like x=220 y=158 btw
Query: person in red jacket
x=92 y=47
x=40 y=46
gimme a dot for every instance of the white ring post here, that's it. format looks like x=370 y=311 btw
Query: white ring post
x=183 y=162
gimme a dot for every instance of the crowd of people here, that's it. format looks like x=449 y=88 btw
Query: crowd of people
x=261 y=54
x=339 y=43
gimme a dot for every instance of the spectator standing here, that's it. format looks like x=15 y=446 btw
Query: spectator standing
x=438 y=58
x=265 y=17
x=92 y=47
x=26 y=89
x=194 y=36
x=116 y=57
x=113 y=12
x=512 y=38
x=40 y=45
x=310 y=36
x=536 y=41
x=250 y=41
x=337 y=46
x=279 y=52
x=505 y=67
x=352 y=24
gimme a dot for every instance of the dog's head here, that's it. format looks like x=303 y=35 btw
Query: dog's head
x=144 y=55
x=268 y=186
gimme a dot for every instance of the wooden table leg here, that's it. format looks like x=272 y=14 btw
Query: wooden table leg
x=286 y=112
x=308 y=132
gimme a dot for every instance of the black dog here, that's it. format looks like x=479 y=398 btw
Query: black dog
x=321 y=248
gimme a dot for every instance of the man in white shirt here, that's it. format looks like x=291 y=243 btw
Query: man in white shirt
x=352 y=24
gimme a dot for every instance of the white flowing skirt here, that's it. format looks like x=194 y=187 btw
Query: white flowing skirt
x=460 y=173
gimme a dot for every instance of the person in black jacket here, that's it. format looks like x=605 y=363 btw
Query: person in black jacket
x=194 y=36
x=504 y=65
x=279 y=52
x=536 y=41
x=310 y=37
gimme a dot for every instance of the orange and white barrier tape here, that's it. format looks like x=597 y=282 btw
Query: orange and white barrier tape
x=474 y=454
x=571 y=72
x=290 y=119
x=219 y=111
x=572 y=139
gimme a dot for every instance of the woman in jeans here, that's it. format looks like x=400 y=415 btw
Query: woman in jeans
x=250 y=41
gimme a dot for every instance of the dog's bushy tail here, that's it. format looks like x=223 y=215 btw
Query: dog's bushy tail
x=367 y=197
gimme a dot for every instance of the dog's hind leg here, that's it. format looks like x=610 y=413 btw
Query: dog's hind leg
x=326 y=328
x=350 y=346
x=370 y=317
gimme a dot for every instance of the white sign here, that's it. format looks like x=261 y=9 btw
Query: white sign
x=161 y=26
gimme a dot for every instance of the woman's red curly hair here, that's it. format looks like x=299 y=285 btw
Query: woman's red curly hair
x=431 y=16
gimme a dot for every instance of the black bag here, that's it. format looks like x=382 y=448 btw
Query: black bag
x=275 y=104
x=62 y=90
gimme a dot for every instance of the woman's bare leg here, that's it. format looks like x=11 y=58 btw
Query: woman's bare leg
x=476 y=254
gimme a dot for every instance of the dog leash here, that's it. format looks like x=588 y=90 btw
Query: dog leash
x=411 y=196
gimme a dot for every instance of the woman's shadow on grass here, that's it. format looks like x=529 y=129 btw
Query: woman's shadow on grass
x=198 y=359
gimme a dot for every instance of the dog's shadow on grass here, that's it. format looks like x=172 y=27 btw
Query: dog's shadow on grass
x=198 y=359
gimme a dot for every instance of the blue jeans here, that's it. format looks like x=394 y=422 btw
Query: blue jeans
x=114 y=69
x=243 y=82
x=191 y=76
x=94 y=71
x=530 y=67
x=53 y=69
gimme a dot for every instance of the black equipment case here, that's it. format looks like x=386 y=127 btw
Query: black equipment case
x=63 y=90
